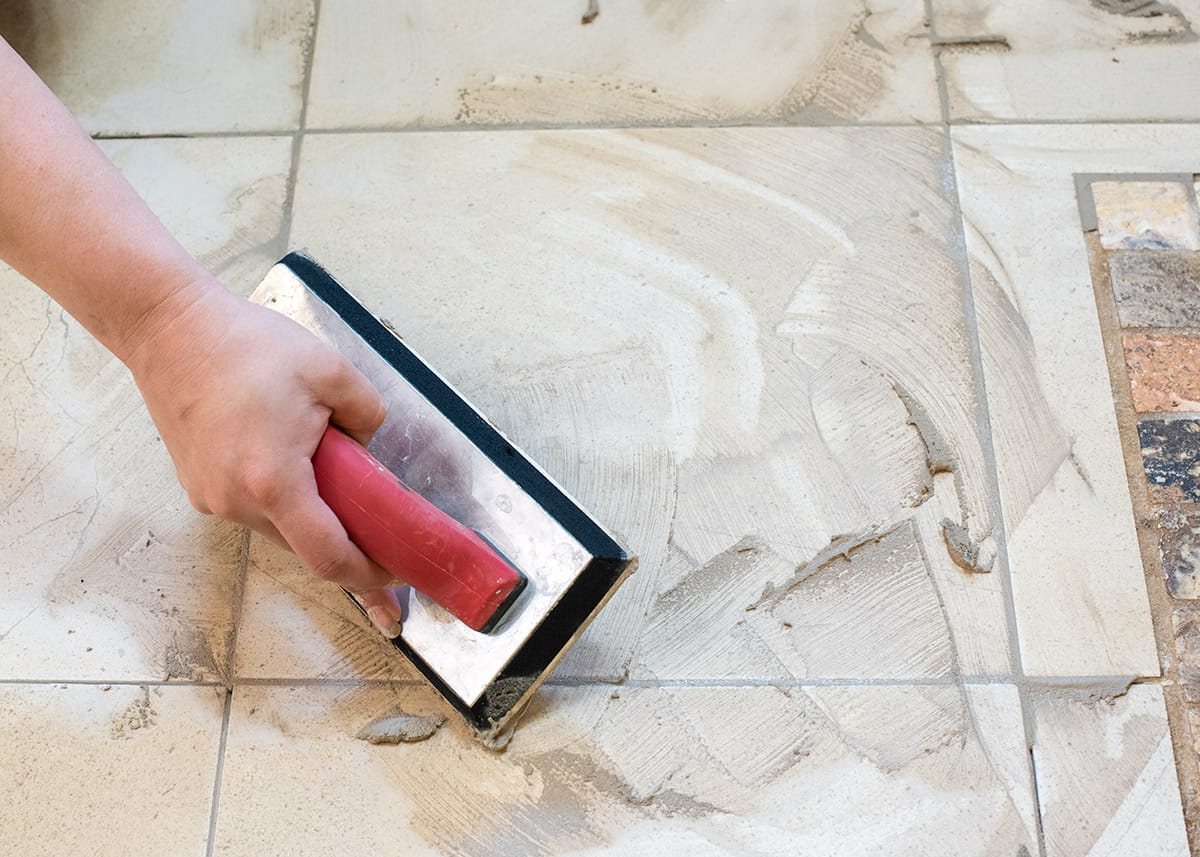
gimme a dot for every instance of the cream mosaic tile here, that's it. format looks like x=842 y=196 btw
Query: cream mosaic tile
x=1106 y=775
x=707 y=346
x=1066 y=60
x=427 y=63
x=1145 y=215
x=1077 y=575
x=107 y=572
x=179 y=66
x=104 y=770
x=591 y=770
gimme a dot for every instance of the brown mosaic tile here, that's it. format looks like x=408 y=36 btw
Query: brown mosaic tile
x=1141 y=215
x=1179 y=547
x=1164 y=371
x=1155 y=288
x=1186 y=621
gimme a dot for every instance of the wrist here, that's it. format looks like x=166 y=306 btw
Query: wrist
x=170 y=320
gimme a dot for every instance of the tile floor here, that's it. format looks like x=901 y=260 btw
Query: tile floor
x=796 y=297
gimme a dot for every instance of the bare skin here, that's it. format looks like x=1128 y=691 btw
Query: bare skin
x=240 y=394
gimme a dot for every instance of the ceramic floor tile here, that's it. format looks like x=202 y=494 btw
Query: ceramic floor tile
x=1106 y=775
x=1077 y=575
x=708 y=347
x=107 y=770
x=181 y=66
x=424 y=63
x=1171 y=455
x=107 y=572
x=1065 y=60
x=294 y=626
x=591 y=770
x=1156 y=288
x=1164 y=371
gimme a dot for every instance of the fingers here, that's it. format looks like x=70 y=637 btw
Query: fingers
x=357 y=407
x=382 y=605
x=383 y=609
x=316 y=536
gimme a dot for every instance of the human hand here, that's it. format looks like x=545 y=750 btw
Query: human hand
x=241 y=396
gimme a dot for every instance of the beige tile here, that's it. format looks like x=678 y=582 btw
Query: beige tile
x=1145 y=215
x=181 y=66
x=701 y=342
x=1106 y=775
x=1077 y=575
x=223 y=199
x=107 y=770
x=108 y=573
x=293 y=626
x=1063 y=60
x=592 y=770
x=424 y=63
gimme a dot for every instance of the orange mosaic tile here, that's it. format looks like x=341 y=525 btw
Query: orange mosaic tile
x=1164 y=371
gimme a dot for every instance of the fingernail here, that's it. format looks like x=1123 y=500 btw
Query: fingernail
x=387 y=626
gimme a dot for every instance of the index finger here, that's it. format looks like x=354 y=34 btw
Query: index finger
x=316 y=535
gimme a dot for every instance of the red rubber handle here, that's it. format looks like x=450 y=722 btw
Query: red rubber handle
x=412 y=538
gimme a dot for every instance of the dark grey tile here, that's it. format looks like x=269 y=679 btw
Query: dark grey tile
x=1171 y=454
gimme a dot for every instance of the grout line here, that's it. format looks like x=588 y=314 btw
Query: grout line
x=285 y=231
x=983 y=423
x=1165 y=416
x=239 y=604
x=1064 y=681
x=101 y=682
x=220 y=773
x=1037 y=122
x=619 y=125
x=1050 y=682
x=196 y=135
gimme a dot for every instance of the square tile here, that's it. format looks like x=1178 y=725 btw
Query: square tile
x=1171 y=455
x=1179 y=547
x=294 y=626
x=1078 y=583
x=93 y=769
x=1068 y=61
x=423 y=63
x=1106 y=775
x=1156 y=288
x=705 y=346
x=109 y=573
x=222 y=198
x=174 y=67
x=851 y=770
x=1146 y=215
x=1186 y=623
x=1164 y=371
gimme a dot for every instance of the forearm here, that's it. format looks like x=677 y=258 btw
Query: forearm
x=71 y=223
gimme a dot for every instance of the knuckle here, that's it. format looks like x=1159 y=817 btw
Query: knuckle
x=328 y=568
x=261 y=483
x=199 y=503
